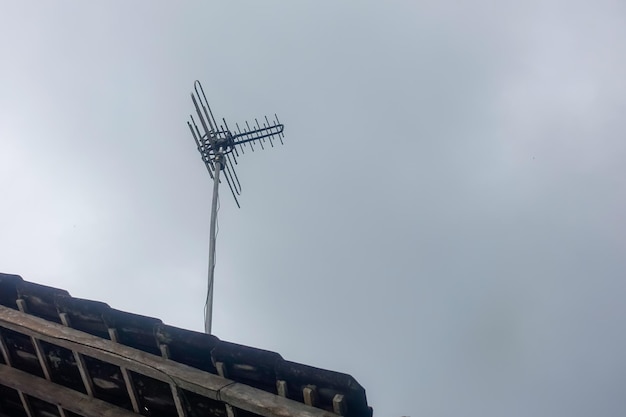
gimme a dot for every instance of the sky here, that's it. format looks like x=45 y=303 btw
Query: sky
x=445 y=221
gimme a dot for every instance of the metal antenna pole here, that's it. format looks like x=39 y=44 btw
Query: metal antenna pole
x=208 y=308
x=219 y=148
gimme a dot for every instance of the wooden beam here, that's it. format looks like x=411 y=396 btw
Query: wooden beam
x=180 y=409
x=265 y=404
x=184 y=377
x=25 y=404
x=339 y=405
x=310 y=395
x=21 y=304
x=62 y=397
x=281 y=388
x=128 y=379
x=80 y=361
x=221 y=369
x=7 y=359
x=4 y=350
x=41 y=357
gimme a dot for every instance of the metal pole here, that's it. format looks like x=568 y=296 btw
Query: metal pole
x=208 y=308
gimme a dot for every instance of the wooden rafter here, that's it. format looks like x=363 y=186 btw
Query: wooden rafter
x=180 y=376
x=61 y=396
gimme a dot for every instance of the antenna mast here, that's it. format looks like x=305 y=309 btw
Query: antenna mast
x=219 y=148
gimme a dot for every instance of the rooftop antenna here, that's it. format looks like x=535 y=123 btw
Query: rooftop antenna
x=219 y=148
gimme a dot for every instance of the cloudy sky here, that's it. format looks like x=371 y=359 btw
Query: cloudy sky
x=445 y=221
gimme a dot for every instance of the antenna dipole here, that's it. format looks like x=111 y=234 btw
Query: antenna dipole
x=219 y=149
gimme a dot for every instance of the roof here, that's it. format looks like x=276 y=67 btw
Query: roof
x=66 y=356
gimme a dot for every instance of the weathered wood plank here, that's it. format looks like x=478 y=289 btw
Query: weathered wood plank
x=128 y=379
x=267 y=404
x=180 y=409
x=41 y=357
x=62 y=397
x=184 y=377
x=25 y=404
x=7 y=359
x=310 y=395
x=281 y=388
x=339 y=405
x=230 y=411
x=80 y=361
x=221 y=369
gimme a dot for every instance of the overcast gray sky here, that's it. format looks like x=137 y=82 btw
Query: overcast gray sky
x=445 y=221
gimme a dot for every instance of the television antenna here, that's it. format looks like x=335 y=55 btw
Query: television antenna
x=219 y=148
